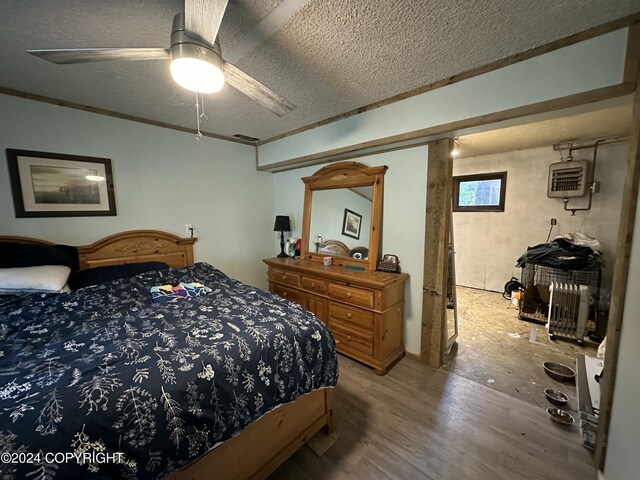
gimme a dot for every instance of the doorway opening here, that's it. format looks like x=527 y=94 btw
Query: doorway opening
x=497 y=346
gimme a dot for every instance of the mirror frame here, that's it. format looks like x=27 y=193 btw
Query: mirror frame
x=345 y=175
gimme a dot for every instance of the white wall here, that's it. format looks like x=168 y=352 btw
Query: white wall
x=623 y=461
x=328 y=215
x=488 y=244
x=403 y=220
x=163 y=179
x=594 y=63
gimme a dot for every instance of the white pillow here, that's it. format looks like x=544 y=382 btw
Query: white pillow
x=43 y=278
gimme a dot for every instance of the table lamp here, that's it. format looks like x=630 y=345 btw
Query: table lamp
x=282 y=225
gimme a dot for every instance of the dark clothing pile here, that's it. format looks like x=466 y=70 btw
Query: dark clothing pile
x=560 y=253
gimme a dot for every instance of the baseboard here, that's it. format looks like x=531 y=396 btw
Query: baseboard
x=413 y=356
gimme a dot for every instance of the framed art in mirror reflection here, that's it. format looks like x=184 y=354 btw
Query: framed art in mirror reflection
x=351 y=224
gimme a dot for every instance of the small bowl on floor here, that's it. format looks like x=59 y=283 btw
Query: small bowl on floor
x=556 y=396
x=560 y=416
x=559 y=372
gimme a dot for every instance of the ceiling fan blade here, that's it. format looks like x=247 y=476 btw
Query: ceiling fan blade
x=257 y=91
x=90 y=55
x=202 y=18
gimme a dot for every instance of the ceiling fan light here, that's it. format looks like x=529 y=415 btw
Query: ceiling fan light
x=196 y=75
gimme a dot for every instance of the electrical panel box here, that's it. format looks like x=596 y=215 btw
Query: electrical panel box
x=568 y=179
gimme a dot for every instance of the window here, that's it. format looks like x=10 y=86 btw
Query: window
x=479 y=193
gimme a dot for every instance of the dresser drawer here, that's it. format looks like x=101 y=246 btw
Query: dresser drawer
x=288 y=293
x=357 y=296
x=351 y=339
x=319 y=306
x=282 y=276
x=314 y=284
x=352 y=316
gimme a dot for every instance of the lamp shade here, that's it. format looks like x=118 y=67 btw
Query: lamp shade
x=282 y=224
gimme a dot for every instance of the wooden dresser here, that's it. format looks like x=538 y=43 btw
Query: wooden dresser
x=363 y=309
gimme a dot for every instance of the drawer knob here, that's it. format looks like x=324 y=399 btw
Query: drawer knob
x=284 y=276
x=313 y=285
x=348 y=315
x=348 y=338
x=348 y=295
x=284 y=294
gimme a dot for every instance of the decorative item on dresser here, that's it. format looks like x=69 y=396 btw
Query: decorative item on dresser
x=282 y=224
x=389 y=263
x=363 y=308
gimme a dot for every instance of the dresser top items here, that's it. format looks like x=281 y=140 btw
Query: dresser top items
x=356 y=277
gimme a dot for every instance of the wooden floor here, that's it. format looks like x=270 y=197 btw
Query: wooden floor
x=417 y=422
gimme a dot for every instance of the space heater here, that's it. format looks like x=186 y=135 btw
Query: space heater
x=568 y=310
x=568 y=179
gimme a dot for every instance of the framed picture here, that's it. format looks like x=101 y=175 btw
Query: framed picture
x=58 y=185
x=351 y=224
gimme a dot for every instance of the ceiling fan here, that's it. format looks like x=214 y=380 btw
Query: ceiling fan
x=195 y=57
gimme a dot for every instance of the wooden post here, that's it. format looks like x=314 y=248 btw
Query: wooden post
x=632 y=57
x=620 y=275
x=437 y=228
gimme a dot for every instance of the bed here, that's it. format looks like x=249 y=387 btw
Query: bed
x=180 y=390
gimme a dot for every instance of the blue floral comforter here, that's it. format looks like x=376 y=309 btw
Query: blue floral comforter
x=103 y=370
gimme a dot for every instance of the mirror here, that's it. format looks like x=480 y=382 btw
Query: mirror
x=451 y=332
x=342 y=214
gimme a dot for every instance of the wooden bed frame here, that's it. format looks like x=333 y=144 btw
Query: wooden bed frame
x=334 y=247
x=269 y=441
x=134 y=246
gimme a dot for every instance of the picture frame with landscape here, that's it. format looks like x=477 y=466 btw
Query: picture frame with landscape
x=351 y=224
x=48 y=184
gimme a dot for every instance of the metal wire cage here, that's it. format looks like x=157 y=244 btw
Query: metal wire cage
x=536 y=280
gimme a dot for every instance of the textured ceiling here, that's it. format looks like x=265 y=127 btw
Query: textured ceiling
x=577 y=129
x=330 y=57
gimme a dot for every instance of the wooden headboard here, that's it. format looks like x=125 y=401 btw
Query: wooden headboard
x=134 y=246
x=335 y=247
